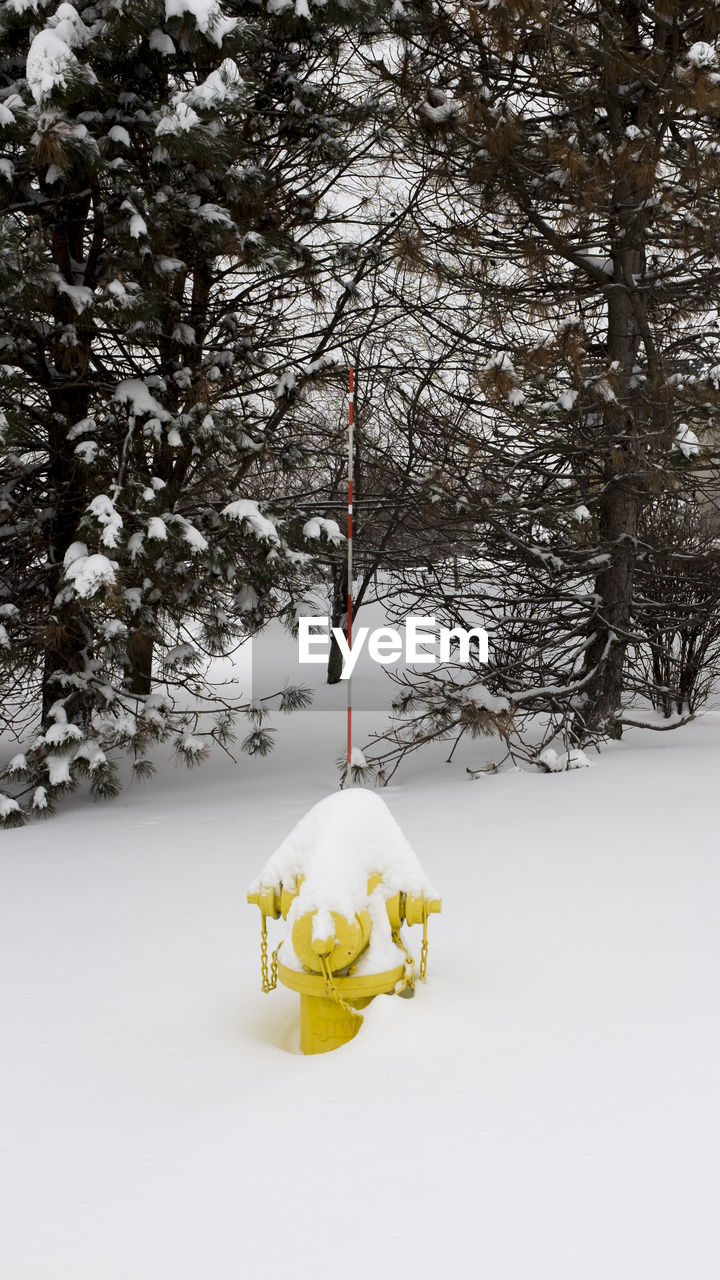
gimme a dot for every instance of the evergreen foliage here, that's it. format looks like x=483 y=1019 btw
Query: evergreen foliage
x=165 y=237
x=575 y=158
x=505 y=213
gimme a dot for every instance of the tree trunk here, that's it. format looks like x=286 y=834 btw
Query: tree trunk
x=339 y=619
x=611 y=624
x=67 y=637
x=140 y=658
x=623 y=492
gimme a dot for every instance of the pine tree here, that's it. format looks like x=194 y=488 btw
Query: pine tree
x=575 y=155
x=166 y=230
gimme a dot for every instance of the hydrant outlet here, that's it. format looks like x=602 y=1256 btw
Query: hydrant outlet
x=348 y=940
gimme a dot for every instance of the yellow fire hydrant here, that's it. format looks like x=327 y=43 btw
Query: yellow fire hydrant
x=345 y=881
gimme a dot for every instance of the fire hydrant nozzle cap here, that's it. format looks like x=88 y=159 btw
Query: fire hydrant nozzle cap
x=322 y=946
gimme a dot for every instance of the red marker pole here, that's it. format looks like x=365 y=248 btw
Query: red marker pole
x=351 y=417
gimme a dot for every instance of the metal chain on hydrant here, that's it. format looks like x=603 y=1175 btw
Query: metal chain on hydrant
x=409 y=976
x=269 y=983
x=424 y=947
x=332 y=991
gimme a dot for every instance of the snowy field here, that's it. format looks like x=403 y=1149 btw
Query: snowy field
x=546 y=1108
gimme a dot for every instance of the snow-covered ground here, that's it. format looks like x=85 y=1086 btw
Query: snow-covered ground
x=546 y=1108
